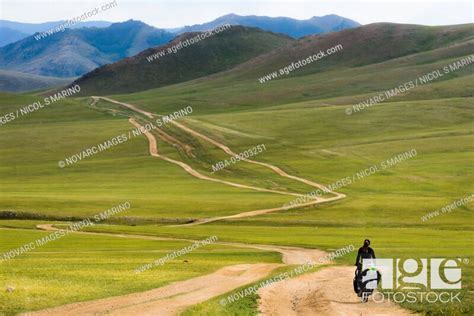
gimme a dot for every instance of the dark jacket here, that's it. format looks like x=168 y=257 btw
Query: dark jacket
x=362 y=254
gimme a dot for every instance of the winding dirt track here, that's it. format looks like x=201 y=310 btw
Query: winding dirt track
x=327 y=292
x=175 y=297
x=154 y=152
x=290 y=255
x=170 y=299
x=153 y=149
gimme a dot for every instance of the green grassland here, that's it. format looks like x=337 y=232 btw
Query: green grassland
x=319 y=143
x=34 y=144
x=301 y=120
x=81 y=267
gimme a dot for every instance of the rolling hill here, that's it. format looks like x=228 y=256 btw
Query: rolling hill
x=211 y=55
x=365 y=45
x=291 y=27
x=77 y=51
x=12 y=81
x=369 y=45
x=91 y=44
x=300 y=117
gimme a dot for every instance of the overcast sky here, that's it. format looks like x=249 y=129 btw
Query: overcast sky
x=175 y=13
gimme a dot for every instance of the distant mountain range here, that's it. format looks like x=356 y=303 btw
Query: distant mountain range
x=11 y=32
x=77 y=51
x=8 y=36
x=88 y=45
x=291 y=27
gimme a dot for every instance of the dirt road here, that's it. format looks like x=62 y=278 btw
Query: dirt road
x=177 y=296
x=129 y=106
x=326 y=292
x=153 y=148
x=290 y=255
x=154 y=152
x=169 y=299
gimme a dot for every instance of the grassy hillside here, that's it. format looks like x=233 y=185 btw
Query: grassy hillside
x=38 y=185
x=112 y=274
x=12 y=81
x=398 y=53
x=302 y=121
x=364 y=45
x=219 y=52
